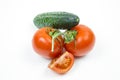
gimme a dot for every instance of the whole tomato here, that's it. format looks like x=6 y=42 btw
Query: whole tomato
x=79 y=40
x=47 y=42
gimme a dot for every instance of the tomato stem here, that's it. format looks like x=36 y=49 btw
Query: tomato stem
x=54 y=35
x=52 y=49
x=70 y=35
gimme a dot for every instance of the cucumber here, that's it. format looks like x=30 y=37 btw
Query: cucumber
x=58 y=20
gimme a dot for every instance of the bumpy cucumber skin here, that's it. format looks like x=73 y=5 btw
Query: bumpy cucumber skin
x=58 y=20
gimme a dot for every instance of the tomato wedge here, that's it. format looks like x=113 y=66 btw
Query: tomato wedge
x=63 y=63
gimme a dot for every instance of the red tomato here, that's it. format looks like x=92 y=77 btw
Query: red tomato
x=42 y=43
x=83 y=42
x=63 y=63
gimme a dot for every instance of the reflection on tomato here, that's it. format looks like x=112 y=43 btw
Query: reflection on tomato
x=83 y=42
x=63 y=63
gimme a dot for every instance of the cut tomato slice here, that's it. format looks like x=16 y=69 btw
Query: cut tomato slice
x=63 y=63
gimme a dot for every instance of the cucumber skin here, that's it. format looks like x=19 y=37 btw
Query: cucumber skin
x=58 y=20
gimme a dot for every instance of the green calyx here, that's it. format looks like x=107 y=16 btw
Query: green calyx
x=70 y=35
x=54 y=34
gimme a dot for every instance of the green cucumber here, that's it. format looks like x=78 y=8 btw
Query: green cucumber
x=58 y=20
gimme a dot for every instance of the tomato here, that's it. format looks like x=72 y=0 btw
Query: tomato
x=63 y=63
x=42 y=43
x=83 y=42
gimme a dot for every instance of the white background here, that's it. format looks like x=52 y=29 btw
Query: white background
x=18 y=61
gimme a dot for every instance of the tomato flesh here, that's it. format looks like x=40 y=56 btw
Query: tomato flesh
x=63 y=63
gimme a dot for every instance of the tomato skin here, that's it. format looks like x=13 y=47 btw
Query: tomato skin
x=42 y=42
x=63 y=63
x=83 y=43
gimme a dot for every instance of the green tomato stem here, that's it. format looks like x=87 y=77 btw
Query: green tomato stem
x=70 y=35
x=54 y=35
